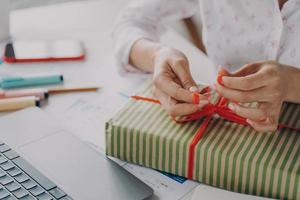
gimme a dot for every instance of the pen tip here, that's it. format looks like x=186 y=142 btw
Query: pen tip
x=38 y=103
x=46 y=95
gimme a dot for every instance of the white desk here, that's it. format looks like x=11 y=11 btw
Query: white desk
x=85 y=114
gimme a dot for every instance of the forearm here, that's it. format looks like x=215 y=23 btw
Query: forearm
x=293 y=93
x=142 y=54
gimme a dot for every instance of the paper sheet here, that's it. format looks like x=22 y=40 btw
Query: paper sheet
x=164 y=187
x=209 y=193
x=85 y=115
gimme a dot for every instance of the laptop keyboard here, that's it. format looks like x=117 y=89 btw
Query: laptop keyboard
x=20 y=180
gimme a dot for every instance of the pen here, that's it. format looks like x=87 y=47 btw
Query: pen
x=72 y=89
x=43 y=93
x=13 y=104
x=14 y=82
x=37 y=92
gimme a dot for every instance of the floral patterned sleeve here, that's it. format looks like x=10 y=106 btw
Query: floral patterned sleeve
x=146 y=19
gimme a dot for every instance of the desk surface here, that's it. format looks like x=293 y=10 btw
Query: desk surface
x=85 y=114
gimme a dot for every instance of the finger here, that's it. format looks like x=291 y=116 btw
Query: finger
x=241 y=79
x=258 y=95
x=247 y=69
x=255 y=114
x=223 y=71
x=242 y=72
x=165 y=100
x=199 y=99
x=173 y=107
x=246 y=83
x=193 y=89
x=262 y=126
x=182 y=109
x=173 y=89
x=181 y=68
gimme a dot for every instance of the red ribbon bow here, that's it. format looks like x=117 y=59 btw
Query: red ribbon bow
x=220 y=108
x=209 y=110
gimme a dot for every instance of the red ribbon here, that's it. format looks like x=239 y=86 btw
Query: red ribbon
x=220 y=108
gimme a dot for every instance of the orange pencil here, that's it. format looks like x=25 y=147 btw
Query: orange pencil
x=71 y=90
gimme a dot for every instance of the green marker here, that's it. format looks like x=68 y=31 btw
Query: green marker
x=15 y=82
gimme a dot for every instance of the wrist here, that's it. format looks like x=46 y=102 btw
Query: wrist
x=143 y=53
x=155 y=53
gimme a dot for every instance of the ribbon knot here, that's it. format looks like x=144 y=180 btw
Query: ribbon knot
x=220 y=108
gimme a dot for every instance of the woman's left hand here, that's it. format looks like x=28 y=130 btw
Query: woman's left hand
x=266 y=83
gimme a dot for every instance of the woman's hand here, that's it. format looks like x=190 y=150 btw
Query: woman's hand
x=266 y=83
x=173 y=82
x=172 y=79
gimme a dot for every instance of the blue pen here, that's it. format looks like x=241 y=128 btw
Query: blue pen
x=15 y=82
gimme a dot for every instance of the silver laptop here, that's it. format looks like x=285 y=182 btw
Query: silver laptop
x=41 y=160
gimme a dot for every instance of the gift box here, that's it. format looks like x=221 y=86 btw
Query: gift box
x=211 y=149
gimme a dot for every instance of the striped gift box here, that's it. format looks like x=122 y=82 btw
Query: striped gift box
x=229 y=156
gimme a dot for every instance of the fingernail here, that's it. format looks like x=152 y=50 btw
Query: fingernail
x=208 y=94
x=231 y=107
x=249 y=122
x=223 y=71
x=194 y=89
x=203 y=103
x=196 y=98
x=268 y=120
x=219 y=79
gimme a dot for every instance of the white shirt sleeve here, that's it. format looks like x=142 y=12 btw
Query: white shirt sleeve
x=146 y=19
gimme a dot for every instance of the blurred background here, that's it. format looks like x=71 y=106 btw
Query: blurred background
x=189 y=28
x=17 y=4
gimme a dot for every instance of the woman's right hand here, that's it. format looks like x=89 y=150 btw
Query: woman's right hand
x=173 y=83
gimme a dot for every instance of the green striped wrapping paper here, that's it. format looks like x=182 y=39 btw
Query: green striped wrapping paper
x=229 y=156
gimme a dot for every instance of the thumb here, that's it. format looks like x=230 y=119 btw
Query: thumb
x=188 y=82
x=247 y=69
x=222 y=72
x=242 y=72
x=182 y=71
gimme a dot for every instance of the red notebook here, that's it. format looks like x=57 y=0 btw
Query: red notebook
x=43 y=51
